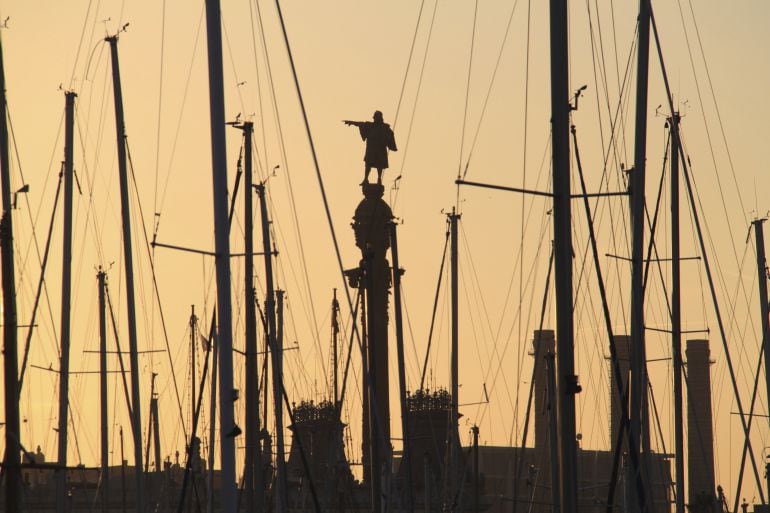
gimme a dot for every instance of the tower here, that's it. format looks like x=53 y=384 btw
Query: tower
x=700 y=437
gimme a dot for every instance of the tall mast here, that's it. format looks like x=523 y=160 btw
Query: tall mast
x=155 y=432
x=676 y=316
x=406 y=458
x=280 y=496
x=335 y=340
x=567 y=384
x=251 y=474
x=375 y=422
x=553 y=435
x=122 y=473
x=476 y=504
x=152 y=428
x=762 y=283
x=66 y=293
x=639 y=429
x=155 y=424
x=10 y=351
x=265 y=367
x=454 y=440
x=193 y=331
x=278 y=387
x=105 y=477
x=128 y=257
x=212 y=420
x=221 y=235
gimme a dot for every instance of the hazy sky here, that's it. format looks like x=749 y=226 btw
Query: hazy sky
x=353 y=57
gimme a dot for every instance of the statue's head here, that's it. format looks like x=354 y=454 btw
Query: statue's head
x=377 y=116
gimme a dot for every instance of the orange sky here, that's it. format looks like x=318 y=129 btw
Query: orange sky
x=351 y=57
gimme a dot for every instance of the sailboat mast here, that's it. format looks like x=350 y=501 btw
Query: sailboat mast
x=567 y=384
x=639 y=426
x=335 y=340
x=155 y=425
x=676 y=316
x=280 y=496
x=193 y=382
x=155 y=430
x=278 y=387
x=406 y=457
x=122 y=473
x=105 y=478
x=453 y=438
x=66 y=293
x=12 y=464
x=221 y=235
x=553 y=436
x=476 y=503
x=136 y=410
x=251 y=474
x=763 y=306
x=212 y=420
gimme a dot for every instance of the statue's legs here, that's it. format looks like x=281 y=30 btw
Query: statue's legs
x=379 y=176
x=367 y=169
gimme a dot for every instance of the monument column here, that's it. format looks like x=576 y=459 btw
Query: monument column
x=370 y=224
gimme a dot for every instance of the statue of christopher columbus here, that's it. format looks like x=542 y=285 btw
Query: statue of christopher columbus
x=379 y=139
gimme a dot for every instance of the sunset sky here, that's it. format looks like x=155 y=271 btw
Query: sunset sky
x=465 y=86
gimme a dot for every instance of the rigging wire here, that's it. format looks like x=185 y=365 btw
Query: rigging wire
x=495 y=370
x=412 y=339
x=520 y=461
x=179 y=121
x=711 y=148
x=155 y=287
x=261 y=110
x=394 y=202
x=157 y=154
x=492 y=370
x=483 y=312
x=114 y=325
x=740 y=285
x=234 y=68
x=315 y=161
x=435 y=307
x=720 y=273
x=693 y=209
x=40 y=285
x=290 y=189
x=492 y=82
x=80 y=43
x=34 y=221
x=467 y=97
x=408 y=63
x=160 y=102
x=525 y=146
x=713 y=96
x=611 y=152
x=41 y=260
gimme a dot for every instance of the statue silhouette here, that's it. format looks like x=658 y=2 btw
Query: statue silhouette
x=379 y=139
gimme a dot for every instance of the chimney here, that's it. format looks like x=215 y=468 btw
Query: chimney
x=622 y=349
x=543 y=342
x=700 y=437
